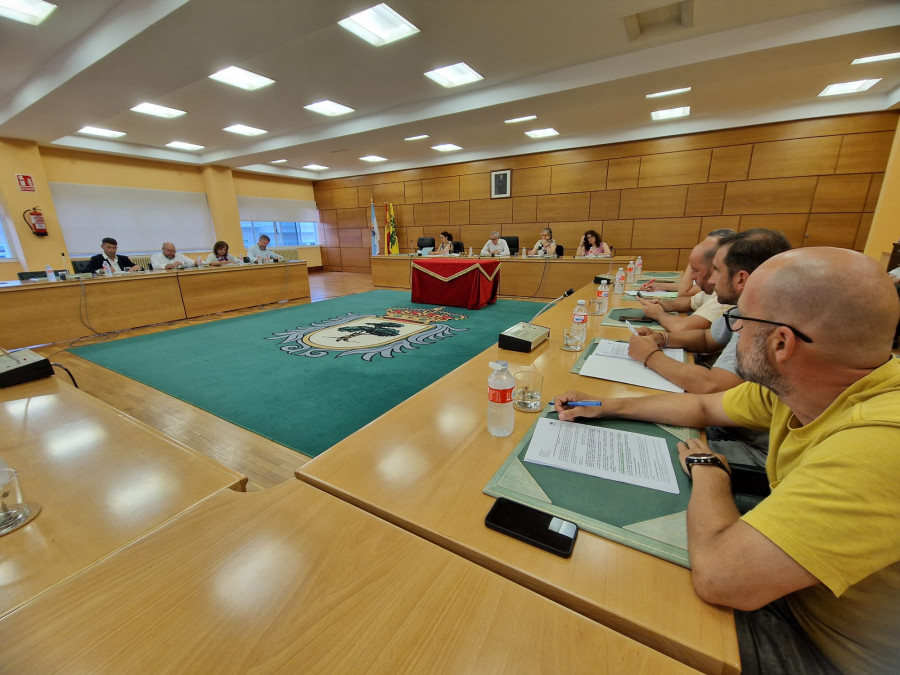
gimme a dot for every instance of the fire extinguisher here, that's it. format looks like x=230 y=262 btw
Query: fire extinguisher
x=35 y=220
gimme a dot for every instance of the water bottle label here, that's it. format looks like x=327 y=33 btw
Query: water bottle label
x=579 y=318
x=500 y=395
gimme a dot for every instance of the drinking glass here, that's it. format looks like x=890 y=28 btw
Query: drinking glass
x=527 y=394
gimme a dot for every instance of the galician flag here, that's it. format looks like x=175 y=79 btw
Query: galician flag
x=376 y=244
x=392 y=243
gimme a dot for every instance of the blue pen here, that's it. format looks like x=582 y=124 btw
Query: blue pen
x=586 y=404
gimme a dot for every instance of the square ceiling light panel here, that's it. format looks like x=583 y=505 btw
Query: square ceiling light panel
x=671 y=113
x=454 y=76
x=329 y=108
x=32 y=12
x=244 y=130
x=103 y=133
x=849 y=87
x=158 y=110
x=379 y=25
x=243 y=79
x=181 y=145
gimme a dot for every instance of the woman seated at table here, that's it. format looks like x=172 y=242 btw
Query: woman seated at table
x=220 y=255
x=446 y=245
x=546 y=245
x=591 y=245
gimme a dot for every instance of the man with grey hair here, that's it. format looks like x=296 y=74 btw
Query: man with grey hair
x=495 y=246
x=814 y=569
x=169 y=258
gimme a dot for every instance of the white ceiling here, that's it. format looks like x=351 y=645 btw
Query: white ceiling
x=570 y=62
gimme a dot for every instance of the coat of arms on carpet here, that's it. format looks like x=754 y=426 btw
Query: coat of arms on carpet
x=368 y=335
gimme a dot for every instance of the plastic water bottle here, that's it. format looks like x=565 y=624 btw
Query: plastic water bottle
x=579 y=322
x=51 y=275
x=470 y=251
x=199 y=261
x=639 y=266
x=603 y=296
x=500 y=399
x=107 y=270
x=629 y=272
x=524 y=253
x=620 y=282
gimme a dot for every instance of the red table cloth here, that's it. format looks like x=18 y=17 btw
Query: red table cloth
x=458 y=282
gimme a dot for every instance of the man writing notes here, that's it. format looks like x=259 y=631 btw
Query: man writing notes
x=117 y=263
x=705 y=305
x=495 y=246
x=260 y=253
x=170 y=258
x=814 y=567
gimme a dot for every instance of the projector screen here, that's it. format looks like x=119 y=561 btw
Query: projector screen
x=140 y=220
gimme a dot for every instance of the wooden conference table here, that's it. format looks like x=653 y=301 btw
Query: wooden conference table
x=545 y=278
x=423 y=466
x=102 y=480
x=48 y=312
x=292 y=579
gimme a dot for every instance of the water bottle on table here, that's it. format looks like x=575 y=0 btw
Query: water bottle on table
x=107 y=270
x=51 y=275
x=574 y=337
x=638 y=267
x=620 y=282
x=500 y=399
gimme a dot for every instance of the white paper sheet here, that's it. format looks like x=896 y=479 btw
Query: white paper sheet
x=610 y=361
x=621 y=456
x=653 y=294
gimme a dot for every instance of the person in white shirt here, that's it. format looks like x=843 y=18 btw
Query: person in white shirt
x=221 y=256
x=495 y=246
x=259 y=252
x=169 y=259
x=546 y=245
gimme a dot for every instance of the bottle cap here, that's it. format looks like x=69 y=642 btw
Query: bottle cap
x=499 y=365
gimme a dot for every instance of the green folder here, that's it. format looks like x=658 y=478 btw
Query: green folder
x=642 y=518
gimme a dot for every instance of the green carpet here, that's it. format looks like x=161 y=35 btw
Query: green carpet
x=301 y=375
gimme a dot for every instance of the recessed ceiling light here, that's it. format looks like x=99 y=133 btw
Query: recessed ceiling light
x=278 y=161
x=158 y=110
x=669 y=92
x=32 y=12
x=379 y=25
x=453 y=76
x=445 y=147
x=542 y=133
x=520 y=119
x=373 y=158
x=244 y=130
x=238 y=77
x=670 y=113
x=873 y=59
x=97 y=131
x=315 y=167
x=849 y=87
x=416 y=138
x=181 y=145
x=329 y=108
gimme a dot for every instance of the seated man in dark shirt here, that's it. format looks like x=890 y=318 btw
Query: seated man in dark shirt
x=118 y=263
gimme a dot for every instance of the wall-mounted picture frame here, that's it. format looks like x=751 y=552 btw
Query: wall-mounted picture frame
x=501 y=184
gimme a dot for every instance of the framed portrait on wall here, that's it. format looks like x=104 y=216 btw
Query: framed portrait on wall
x=500 y=184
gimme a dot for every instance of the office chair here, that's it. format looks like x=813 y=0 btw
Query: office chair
x=512 y=242
x=25 y=276
x=425 y=242
x=560 y=250
x=457 y=247
x=80 y=266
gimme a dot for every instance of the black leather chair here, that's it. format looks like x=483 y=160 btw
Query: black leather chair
x=80 y=266
x=560 y=251
x=424 y=242
x=513 y=243
x=457 y=247
x=25 y=276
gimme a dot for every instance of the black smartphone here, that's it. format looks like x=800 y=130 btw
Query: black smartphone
x=532 y=526
x=635 y=318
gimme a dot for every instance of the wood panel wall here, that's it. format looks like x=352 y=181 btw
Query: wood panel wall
x=816 y=180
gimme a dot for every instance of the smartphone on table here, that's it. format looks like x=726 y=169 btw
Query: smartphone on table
x=532 y=526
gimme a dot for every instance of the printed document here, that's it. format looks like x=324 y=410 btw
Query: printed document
x=610 y=361
x=621 y=456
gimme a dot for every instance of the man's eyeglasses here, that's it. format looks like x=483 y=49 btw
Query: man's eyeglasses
x=734 y=321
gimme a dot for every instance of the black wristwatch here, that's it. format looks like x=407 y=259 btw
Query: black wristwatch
x=704 y=459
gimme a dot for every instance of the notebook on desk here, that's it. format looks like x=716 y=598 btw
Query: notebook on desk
x=426 y=250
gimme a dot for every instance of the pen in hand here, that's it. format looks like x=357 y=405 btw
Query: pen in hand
x=585 y=404
x=630 y=327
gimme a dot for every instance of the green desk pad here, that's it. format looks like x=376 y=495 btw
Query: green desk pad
x=642 y=518
x=612 y=318
x=658 y=276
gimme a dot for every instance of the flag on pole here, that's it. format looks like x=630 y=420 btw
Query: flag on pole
x=376 y=244
x=390 y=230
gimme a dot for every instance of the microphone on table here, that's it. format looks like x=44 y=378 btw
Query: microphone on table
x=525 y=336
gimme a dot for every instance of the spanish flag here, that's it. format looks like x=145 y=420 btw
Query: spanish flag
x=391 y=241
